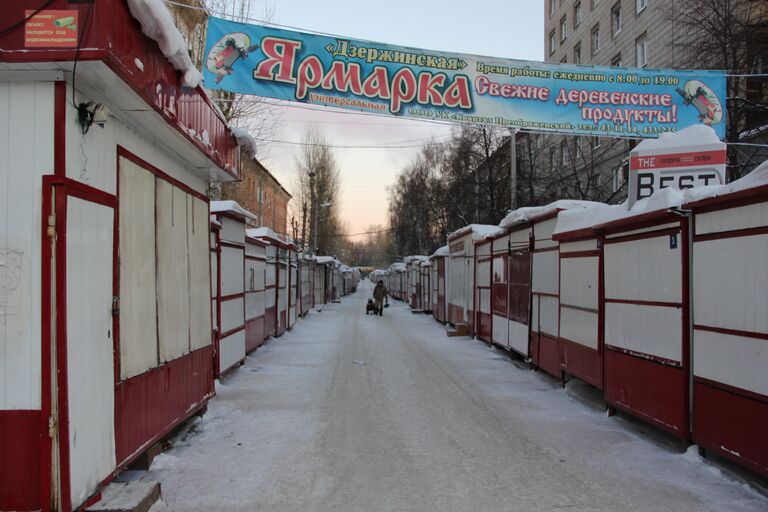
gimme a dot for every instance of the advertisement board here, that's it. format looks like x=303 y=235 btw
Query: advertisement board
x=680 y=168
x=386 y=79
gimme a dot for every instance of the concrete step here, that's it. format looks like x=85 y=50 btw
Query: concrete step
x=134 y=496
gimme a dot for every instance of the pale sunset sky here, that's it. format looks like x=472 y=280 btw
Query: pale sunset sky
x=496 y=28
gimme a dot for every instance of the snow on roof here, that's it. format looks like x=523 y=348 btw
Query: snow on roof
x=262 y=233
x=426 y=263
x=231 y=206
x=479 y=231
x=397 y=267
x=157 y=24
x=214 y=221
x=442 y=251
x=412 y=259
x=663 y=199
x=527 y=213
x=697 y=134
x=323 y=260
x=245 y=140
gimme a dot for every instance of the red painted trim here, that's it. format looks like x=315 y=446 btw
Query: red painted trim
x=232 y=245
x=546 y=294
x=61 y=347
x=46 y=340
x=643 y=236
x=545 y=249
x=733 y=332
x=232 y=331
x=580 y=254
x=581 y=308
x=21 y=487
x=731 y=424
x=60 y=129
x=642 y=355
x=687 y=320
x=735 y=233
x=233 y=296
x=82 y=191
x=122 y=152
x=727 y=201
x=732 y=389
x=574 y=236
x=582 y=362
x=217 y=340
x=146 y=417
x=657 y=303
x=642 y=221
x=686 y=159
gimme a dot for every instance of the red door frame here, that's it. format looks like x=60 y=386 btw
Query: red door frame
x=65 y=188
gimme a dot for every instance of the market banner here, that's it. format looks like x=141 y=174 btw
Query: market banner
x=408 y=82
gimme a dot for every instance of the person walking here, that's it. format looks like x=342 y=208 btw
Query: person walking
x=379 y=294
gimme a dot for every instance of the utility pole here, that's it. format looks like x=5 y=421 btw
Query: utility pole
x=512 y=168
x=314 y=211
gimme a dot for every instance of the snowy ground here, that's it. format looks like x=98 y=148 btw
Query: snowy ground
x=351 y=412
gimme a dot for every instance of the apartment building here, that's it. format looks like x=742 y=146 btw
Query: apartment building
x=618 y=33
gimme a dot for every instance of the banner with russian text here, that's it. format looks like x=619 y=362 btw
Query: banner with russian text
x=408 y=82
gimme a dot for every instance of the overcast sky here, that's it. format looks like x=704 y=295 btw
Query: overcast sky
x=497 y=28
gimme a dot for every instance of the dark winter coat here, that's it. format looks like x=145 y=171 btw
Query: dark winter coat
x=379 y=292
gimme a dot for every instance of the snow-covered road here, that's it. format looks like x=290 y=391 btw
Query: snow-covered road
x=359 y=413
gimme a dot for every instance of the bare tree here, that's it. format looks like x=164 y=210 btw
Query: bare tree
x=316 y=167
x=731 y=35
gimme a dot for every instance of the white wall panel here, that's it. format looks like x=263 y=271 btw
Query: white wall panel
x=652 y=330
x=730 y=279
x=26 y=153
x=483 y=249
x=484 y=273
x=644 y=230
x=501 y=244
x=172 y=279
x=644 y=269
x=231 y=350
x=520 y=239
x=500 y=331
x=91 y=159
x=546 y=272
x=232 y=270
x=734 y=360
x=485 y=300
x=579 y=326
x=138 y=291
x=232 y=230
x=579 y=282
x=742 y=217
x=543 y=233
x=232 y=314
x=581 y=245
x=198 y=228
x=548 y=315
x=518 y=337
x=90 y=363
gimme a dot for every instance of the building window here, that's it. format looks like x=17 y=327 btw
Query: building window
x=552 y=160
x=563 y=29
x=641 y=5
x=552 y=7
x=576 y=14
x=552 y=42
x=595 y=38
x=595 y=142
x=641 y=50
x=616 y=61
x=579 y=151
x=564 y=153
x=577 y=54
x=616 y=19
x=564 y=60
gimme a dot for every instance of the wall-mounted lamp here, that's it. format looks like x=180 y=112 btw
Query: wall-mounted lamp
x=90 y=113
